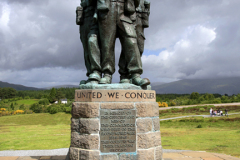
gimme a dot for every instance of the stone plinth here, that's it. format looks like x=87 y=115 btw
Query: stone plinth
x=115 y=124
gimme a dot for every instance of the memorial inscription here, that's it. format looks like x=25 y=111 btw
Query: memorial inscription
x=117 y=130
x=114 y=95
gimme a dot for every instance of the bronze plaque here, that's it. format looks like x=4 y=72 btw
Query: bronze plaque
x=117 y=130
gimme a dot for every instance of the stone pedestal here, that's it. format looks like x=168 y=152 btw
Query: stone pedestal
x=115 y=125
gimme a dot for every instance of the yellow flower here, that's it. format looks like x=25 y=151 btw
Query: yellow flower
x=164 y=104
x=19 y=112
x=2 y=109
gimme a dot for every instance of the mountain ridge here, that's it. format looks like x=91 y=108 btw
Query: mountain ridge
x=18 y=87
x=221 y=85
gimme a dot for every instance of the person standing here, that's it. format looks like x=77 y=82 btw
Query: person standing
x=226 y=112
x=211 y=112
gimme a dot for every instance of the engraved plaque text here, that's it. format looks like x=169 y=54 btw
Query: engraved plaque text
x=118 y=130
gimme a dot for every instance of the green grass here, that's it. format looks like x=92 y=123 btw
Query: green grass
x=218 y=134
x=35 y=131
x=27 y=101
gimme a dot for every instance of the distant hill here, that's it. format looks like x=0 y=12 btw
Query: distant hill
x=221 y=85
x=17 y=86
x=153 y=84
x=63 y=86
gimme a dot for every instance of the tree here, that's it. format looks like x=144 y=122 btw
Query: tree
x=1 y=93
x=59 y=95
x=12 y=106
x=194 y=95
x=52 y=95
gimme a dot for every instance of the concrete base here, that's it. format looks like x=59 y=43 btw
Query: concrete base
x=115 y=130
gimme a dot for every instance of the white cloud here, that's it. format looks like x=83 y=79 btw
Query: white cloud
x=182 y=60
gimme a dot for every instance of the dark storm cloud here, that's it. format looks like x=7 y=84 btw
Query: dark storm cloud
x=41 y=34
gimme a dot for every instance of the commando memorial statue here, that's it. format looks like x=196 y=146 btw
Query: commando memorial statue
x=101 y=23
x=117 y=121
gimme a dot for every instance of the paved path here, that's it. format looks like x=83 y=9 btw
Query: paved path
x=222 y=104
x=167 y=155
x=165 y=119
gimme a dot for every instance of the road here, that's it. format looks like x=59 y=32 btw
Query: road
x=205 y=116
x=222 y=104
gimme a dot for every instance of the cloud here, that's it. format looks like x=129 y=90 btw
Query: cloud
x=195 y=39
x=41 y=35
x=199 y=40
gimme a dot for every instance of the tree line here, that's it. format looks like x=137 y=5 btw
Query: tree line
x=52 y=94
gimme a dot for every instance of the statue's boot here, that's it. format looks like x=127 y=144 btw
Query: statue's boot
x=94 y=77
x=83 y=82
x=107 y=79
x=137 y=80
x=124 y=79
x=101 y=6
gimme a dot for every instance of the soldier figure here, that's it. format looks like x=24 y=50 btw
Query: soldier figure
x=142 y=16
x=114 y=21
x=87 y=19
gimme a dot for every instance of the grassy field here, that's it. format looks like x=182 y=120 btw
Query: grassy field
x=35 y=131
x=46 y=131
x=26 y=102
x=218 y=134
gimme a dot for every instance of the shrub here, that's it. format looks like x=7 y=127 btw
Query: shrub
x=67 y=110
x=12 y=106
x=217 y=100
x=53 y=110
x=27 y=97
x=2 y=109
x=201 y=110
x=36 y=108
x=199 y=126
x=22 y=107
x=172 y=103
x=164 y=104
x=19 y=112
x=44 y=101
x=194 y=95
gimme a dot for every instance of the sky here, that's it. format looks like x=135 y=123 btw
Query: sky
x=187 y=39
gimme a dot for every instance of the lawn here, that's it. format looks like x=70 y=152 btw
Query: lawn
x=218 y=134
x=27 y=101
x=35 y=131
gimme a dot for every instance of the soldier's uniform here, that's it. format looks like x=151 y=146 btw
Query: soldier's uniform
x=89 y=36
x=141 y=22
x=116 y=22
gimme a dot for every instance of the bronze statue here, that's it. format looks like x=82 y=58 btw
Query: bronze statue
x=103 y=21
x=87 y=19
x=141 y=22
